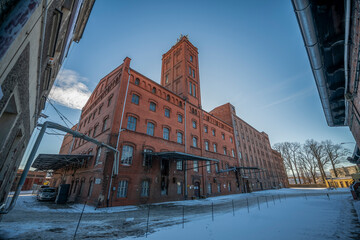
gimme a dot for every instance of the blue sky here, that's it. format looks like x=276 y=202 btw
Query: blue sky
x=251 y=54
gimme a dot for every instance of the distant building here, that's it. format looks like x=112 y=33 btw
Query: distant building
x=35 y=36
x=330 y=30
x=32 y=181
x=171 y=148
x=344 y=171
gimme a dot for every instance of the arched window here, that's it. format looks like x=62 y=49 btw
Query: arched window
x=179 y=137
x=152 y=106
x=150 y=129
x=127 y=155
x=206 y=145
x=166 y=133
x=194 y=140
x=131 y=125
x=215 y=147
x=137 y=81
x=153 y=90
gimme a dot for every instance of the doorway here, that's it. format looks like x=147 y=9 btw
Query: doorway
x=197 y=189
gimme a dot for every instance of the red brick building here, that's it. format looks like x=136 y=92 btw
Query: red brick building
x=171 y=149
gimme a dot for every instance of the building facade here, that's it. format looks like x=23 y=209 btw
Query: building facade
x=32 y=182
x=35 y=36
x=171 y=149
x=330 y=31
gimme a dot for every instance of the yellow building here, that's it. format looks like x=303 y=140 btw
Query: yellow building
x=342 y=182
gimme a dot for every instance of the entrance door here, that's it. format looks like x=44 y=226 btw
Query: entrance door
x=197 y=189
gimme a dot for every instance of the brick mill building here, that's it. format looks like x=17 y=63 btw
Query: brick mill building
x=170 y=148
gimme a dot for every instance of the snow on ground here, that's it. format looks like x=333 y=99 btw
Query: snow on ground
x=295 y=218
x=284 y=214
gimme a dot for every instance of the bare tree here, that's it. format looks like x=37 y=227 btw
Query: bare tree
x=335 y=154
x=308 y=161
x=289 y=153
x=317 y=150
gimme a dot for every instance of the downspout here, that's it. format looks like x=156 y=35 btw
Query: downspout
x=116 y=165
x=40 y=57
x=346 y=62
x=307 y=26
x=185 y=150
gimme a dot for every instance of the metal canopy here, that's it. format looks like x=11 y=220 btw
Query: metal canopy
x=238 y=168
x=179 y=156
x=57 y=161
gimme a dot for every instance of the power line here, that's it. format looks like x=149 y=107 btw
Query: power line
x=62 y=116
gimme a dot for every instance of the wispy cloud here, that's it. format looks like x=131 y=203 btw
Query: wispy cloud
x=290 y=98
x=70 y=90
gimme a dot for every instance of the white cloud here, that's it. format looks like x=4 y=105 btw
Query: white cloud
x=70 y=90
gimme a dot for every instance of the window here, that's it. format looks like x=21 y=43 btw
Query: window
x=95 y=129
x=205 y=129
x=166 y=133
x=214 y=145
x=137 y=81
x=145 y=188
x=194 y=90
x=209 y=188
x=98 y=154
x=223 y=136
x=105 y=124
x=193 y=73
x=233 y=152
x=167 y=79
x=225 y=151
x=179 y=187
x=127 y=155
x=90 y=188
x=229 y=187
x=167 y=112
x=135 y=99
x=189 y=70
x=153 y=90
x=219 y=187
x=131 y=123
x=109 y=100
x=147 y=158
x=150 y=129
x=179 y=165
x=190 y=88
x=196 y=166
x=194 y=140
x=194 y=124
x=152 y=106
x=191 y=58
x=208 y=166
x=216 y=167
x=122 y=189
x=179 y=137
x=240 y=155
x=231 y=140
x=206 y=145
x=180 y=118
x=168 y=97
x=213 y=132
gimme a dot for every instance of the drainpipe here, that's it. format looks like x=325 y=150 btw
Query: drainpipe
x=185 y=164
x=40 y=56
x=115 y=167
x=346 y=56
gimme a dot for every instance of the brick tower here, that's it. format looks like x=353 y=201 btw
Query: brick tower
x=180 y=71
